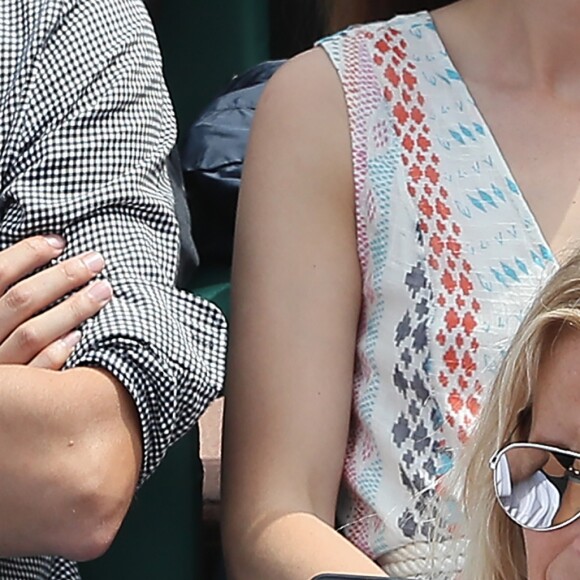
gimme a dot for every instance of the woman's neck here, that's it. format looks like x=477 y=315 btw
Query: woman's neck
x=519 y=44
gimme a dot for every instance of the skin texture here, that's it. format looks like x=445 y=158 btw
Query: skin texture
x=296 y=280
x=555 y=555
x=531 y=102
x=70 y=447
x=565 y=565
x=70 y=457
x=45 y=340
x=302 y=315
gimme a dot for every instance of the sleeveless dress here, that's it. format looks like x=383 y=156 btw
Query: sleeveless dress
x=451 y=256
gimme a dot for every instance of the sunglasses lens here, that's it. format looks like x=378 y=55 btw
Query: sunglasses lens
x=537 y=488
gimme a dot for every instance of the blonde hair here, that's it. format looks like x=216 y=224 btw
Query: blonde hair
x=496 y=548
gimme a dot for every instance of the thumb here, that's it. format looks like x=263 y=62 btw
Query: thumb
x=567 y=565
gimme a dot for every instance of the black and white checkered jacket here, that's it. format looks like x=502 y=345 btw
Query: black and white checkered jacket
x=86 y=124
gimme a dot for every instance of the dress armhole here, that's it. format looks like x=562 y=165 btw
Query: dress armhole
x=350 y=55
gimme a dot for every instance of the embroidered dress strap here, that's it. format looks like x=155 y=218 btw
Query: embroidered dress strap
x=450 y=259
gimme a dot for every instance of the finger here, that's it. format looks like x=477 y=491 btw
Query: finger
x=568 y=560
x=56 y=354
x=36 y=293
x=32 y=337
x=24 y=257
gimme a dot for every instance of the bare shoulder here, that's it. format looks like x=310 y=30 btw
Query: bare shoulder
x=302 y=117
x=310 y=75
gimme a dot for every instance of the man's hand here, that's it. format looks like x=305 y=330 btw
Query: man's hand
x=70 y=453
x=30 y=333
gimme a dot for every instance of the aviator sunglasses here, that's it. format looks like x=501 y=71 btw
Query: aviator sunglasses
x=537 y=485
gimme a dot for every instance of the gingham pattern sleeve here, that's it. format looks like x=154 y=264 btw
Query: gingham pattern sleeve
x=86 y=128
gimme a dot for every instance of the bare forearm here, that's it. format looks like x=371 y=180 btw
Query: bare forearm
x=295 y=546
x=69 y=459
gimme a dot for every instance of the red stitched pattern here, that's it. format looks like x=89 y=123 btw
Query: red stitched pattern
x=445 y=255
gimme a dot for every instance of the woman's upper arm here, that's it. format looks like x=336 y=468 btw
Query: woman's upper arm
x=296 y=300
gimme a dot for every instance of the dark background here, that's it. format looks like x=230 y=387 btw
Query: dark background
x=205 y=42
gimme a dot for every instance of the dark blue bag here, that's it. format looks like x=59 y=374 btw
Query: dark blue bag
x=212 y=159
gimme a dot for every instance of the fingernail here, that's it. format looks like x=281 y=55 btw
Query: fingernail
x=93 y=261
x=72 y=339
x=55 y=241
x=100 y=291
